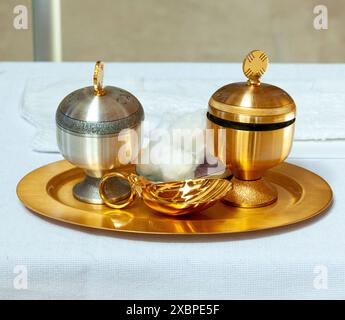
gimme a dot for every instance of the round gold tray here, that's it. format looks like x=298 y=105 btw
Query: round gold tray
x=301 y=195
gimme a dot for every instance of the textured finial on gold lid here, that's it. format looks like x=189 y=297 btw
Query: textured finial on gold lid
x=98 y=79
x=254 y=66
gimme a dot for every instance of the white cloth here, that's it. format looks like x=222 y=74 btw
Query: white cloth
x=170 y=100
x=64 y=261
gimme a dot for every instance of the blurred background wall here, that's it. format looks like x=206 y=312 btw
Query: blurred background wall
x=185 y=30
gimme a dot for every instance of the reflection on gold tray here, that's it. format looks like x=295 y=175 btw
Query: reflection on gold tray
x=301 y=195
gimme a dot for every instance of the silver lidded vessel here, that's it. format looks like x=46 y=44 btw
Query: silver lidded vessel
x=98 y=130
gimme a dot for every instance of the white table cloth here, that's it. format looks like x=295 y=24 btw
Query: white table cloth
x=64 y=261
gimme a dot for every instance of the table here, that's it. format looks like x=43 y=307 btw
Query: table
x=298 y=262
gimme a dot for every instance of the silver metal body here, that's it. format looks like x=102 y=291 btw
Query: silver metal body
x=99 y=134
x=99 y=154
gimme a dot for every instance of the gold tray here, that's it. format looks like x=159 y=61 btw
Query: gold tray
x=301 y=195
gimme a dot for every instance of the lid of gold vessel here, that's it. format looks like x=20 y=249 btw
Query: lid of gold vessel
x=99 y=110
x=252 y=102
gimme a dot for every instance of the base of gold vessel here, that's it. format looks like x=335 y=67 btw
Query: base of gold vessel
x=251 y=194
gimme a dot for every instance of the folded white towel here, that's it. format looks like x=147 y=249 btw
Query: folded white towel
x=169 y=103
x=172 y=104
x=164 y=103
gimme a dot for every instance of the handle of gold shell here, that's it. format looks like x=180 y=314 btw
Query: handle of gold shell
x=123 y=204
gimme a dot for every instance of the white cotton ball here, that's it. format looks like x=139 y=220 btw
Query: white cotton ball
x=174 y=172
x=181 y=166
x=146 y=169
x=152 y=158
x=192 y=127
x=191 y=120
x=160 y=153
x=167 y=162
x=150 y=171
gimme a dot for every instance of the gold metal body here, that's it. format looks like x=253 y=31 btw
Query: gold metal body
x=250 y=153
x=48 y=192
x=253 y=127
x=173 y=198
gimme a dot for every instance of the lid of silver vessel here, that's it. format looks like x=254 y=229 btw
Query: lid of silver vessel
x=99 y=110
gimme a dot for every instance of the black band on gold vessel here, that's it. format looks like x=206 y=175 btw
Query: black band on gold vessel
x=248 y=126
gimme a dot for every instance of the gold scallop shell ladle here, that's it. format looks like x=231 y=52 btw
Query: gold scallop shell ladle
x=172 y=198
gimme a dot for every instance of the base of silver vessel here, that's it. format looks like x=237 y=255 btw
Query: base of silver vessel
x=88 y=190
